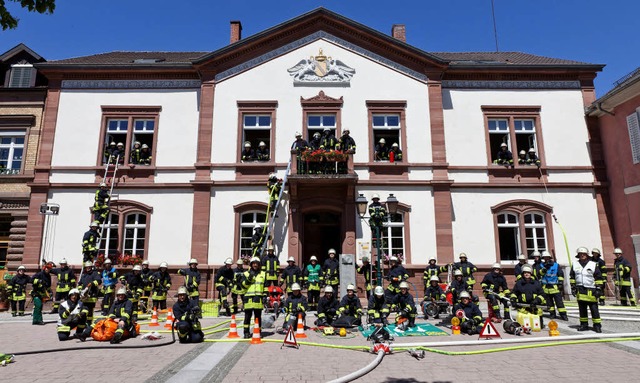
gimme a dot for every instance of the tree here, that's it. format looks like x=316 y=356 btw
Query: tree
x=41 y=6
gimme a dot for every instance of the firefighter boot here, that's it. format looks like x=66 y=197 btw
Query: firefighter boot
x=116 y=338
x=597 y=327
x=583 y=327
x=564 y=317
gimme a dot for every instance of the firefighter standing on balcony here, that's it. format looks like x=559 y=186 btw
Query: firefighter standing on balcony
x=223 y=280
x=432 y=270
x=596 y=256
x=366 y=270
x=586 y=285
x=192 y=279
x=17 y=291
x=553 y=286
x=271 y=267
x=262 y=153
x=237 y=291
x=89 y=289
x=467 y=269
x=495 y=289
x=622 y=278
x=397 y=274
x=41 y=292
x=66 y=279
x=316 y=141
x=253 y=282
x=331 y=271
x=328 y=140
x=109 y=281
x=101 y=203
x=89 y=242
x=312 y=275
x=290 y=275
x=300 y=144
x=346 y=143
x=161 y=281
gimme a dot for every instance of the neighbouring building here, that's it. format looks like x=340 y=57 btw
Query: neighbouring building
x=615 y=117
x=448 y=112
x=22 y=94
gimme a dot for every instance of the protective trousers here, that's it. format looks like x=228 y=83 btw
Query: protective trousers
x=555 y=301
x=625 y=292
x=257 y=313
x=313 y=296
x=584 y=316
x=17 y=307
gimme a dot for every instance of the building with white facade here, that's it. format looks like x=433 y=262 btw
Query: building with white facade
x=448 y=112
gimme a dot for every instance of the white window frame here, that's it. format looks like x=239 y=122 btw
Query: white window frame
x=107 y=229
x=388 y=128
x=498 y=130
x=533 y=226
x=509 y=225
x=136 y=227
x=244 y=251
x=11 y=148
x=386 y=232
x=532 y=132
x=311 y=129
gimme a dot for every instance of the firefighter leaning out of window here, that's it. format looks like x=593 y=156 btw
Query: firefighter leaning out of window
x=504 y=156
x=530 y=158
x=140 y=155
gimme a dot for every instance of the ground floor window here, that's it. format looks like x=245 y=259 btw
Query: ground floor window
x=522 y=227
x=124 y=234
x=393 y=237
x=248 y=221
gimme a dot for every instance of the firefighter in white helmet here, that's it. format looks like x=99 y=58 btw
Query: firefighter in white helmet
x=381 y=151
x=328 y=308
x=223 y=280
x=495 y=289
x=133 y=282
x=295 y=305
x=458 y=285
x=596 y=256
x=586 y=285
x=467 y=268
x=253 y=282
x=161 y=284
x=192 y=279
x=89 y=242
x=537 y=266
x=101 y=203
x=469 y=314
x=89 y=288
x=350 y=305
x=17 y=291
x=257 y=240
x=331 y=271
x=312 y=274
x=262 y=153
x=271 y=267
x=66 y=279
x=146 y=274
x=377 y=217
x=109 y=282
x=517 y=270
x=527 y=293
x=432 y=270
x=237 y=291
x=186 y=312
x=553 y=286
x=73 y=313
x=622 y=278
x=366 y=270
x=247 y=154
x=122 y=313
x=396 y=275
x=405 y=307
x=274 y=186
x=377 y=308
x=434 y=297
x=291 y=275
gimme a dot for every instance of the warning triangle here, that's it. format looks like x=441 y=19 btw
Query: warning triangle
x=489 y=330
x=290 y=339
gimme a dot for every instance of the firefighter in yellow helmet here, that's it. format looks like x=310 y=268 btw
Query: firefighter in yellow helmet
x=253 y=282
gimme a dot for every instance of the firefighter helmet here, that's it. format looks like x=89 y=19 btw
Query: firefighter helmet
x=379 y=291
x=316 y=135
x=121 y=291
x=332 y=251
x=595 y=250
x=120 y=144
x=113 y=143
x=103 y=185
x=503 y=145
x=496 y=266
x=270 y=248
x=182 y=291
x=313 y=258
x=21 y=267
x=434 y=278
x=247 y=144
x=145 y=263
x=365 y=258
x=522 y=152
x=290 y=259
x=295 y=287
x=404 y=285
x=94 y=224
x=262 y=143
x=298 y=134
x=145 y=146
x=458 y=272
x=535 y=254
x=582 y=250
x=351 y=287
x=375 y=196
x=546 y=254
x=254 y=260
x=522 y=257
x=382 y=141
x=228 y=261
x=465 y=294
x=239 y=261
x=164 y=264
x=257 y=227
x=273 y=176
x=74 y=291
x=532 y=150
x=617 y=250
x=394 y=145
x=136 y=143
x=49 y=265
x=88 y=264
x=393 y=258
x=192 y=261
x=328 y=289
x=527 y=269
x=137 y=268
x=107 y=262
x=462 y=255
x=63 y=261
x=432 y=258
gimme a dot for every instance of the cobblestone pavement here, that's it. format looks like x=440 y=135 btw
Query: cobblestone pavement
x=268 y=362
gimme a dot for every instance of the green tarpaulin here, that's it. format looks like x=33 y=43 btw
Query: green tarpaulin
x=421 y=329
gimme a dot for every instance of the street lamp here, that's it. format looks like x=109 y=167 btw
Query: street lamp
x=392 y=207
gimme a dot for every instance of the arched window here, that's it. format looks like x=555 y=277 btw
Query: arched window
x=125 y=230
x=135 y=230
x=508 y=236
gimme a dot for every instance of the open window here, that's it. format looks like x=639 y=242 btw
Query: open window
x=126 y=126
x=387 y=122
x=256 y=129
x=257 y=123
x=516 y=126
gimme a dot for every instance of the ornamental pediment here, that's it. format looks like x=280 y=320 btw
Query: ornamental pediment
x=321 y=69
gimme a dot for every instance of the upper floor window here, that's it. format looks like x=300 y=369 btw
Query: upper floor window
x=11 y=151
x=129 y=134
x=317 y=123
x=513 y=135
x=386 y=130
x=22 y=76
x=634 y=136
x=256 y=130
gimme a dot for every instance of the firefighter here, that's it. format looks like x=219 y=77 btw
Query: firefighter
x=41 y=283
x=467 y=269
x=73 y=313
x=109 y=152
x=223 y=281
x=312 y=273
x=532 y=158
x=145 y=155
x=236 y=287
x=118 y=154
x=553 y=286
x=432 y=270
x=527 y=294
x=331 y=270
x=253 y=282
x=522 y=157
x=290 y=275
x=262 y=153
x=622 y=278
x=381 y=151
x=377 y=308
x=122 y=313
x=328 y=140
x=257 y=240
x=397 y=274
x=134 y=156
x=504 y=156
x=397 y=152
x=433 y=293
x=469 y=314
x=586 y=285
x=271 y=267
x=247 y=153
x=537 y=265
x=192 y=279
x=89 y=289
x=495 y=289
x=89 y=242
x=66 y=279
x=296 y=304
x=161 y=281
x=101 y=203
x=300 y=144
x=404 y=305
x=377 y=214
x=17 y=291
x=346 y=143
x=316 y=141
x=186 y=311
x=109 y=281
x=596 y=256
x=133 y=282
x=328 y=307
x=274 y=185
x=522 y=260
x=350 y=305
x=147 y=285
x=366 y=270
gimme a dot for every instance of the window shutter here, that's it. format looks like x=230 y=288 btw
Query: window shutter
x=634 y=136
x=21 y=77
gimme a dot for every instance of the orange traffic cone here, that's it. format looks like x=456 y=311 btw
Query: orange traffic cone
x=233 y=329
x=154 y=318
x=256 y=333
x=169 y=321
x=300 y=331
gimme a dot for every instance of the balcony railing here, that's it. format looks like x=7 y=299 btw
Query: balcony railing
x=320 y=162
x=9 y=172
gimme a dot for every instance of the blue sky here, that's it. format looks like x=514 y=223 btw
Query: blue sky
x=584 y=30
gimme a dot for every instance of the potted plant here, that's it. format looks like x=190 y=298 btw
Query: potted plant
x=4 y=297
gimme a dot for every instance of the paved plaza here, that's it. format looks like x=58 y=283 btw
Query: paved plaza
x=269 y=362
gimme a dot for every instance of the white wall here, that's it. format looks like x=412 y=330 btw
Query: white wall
x=473 y=227
x=271 y=81
x=79 y=124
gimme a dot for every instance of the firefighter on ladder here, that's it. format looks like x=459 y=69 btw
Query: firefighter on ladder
x=366 y=270
x=90 y=241
x=274 y=185
x=101 y=203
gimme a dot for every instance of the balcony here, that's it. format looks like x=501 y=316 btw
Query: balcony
x=321 y=164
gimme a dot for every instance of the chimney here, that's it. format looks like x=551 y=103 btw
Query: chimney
x=236 y=31
x=399 y=32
